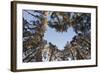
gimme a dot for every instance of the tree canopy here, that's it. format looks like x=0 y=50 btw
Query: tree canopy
x=33 y=31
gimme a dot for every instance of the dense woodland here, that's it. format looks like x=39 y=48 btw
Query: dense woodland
x=37 y=49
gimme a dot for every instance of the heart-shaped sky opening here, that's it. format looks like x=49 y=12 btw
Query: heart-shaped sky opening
x=59 y=38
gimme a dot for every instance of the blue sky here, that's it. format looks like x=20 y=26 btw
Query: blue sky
x=59 y=38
